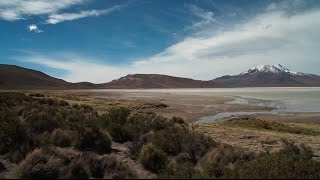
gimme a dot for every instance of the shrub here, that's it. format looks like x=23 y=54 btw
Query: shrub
x=14 y=137
x=64 y=103
x=115 y=122
x=226 y=155
x=36 y=95
x=116 y=115
x=217 y=171
x=170 y=140
x=180 y=171
x=62 y=138
x=196 y=145
x=152 y=158
x=112 y=168
x=119 y=133
x=292 y=162
x=92 y=139
x=45 y=120
x=39 y=164
x=91 y=165
x=2 y=167
x=178 y=120
x=77 y=169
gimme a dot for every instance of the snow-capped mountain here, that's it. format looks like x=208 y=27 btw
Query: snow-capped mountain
x=268 y=76
x=276 y=69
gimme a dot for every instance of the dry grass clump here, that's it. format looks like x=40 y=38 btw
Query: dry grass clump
x=62 y=138
x=267 y=125
x=39 y=164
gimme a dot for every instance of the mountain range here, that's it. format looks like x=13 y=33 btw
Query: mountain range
x=15 y=77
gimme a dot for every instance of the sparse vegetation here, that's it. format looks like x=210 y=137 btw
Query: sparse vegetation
x=49 y=138
x=268 y=125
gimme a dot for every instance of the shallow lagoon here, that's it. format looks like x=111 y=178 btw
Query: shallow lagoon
x=284 y=100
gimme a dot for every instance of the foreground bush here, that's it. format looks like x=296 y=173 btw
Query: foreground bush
x=292 y=162
x=62 y=138
x=115 y=122
x=184 y=170
x=92 y=139
x=152 y=158
x=39 y=164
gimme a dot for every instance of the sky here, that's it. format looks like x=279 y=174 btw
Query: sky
x=101 y=40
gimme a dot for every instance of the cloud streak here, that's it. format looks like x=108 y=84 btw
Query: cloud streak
x=12 y=10
x=58 y=18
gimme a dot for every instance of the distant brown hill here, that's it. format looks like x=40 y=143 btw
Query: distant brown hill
x=15 y=77
x=145 y=81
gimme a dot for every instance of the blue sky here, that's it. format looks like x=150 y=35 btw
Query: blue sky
x=101 y=40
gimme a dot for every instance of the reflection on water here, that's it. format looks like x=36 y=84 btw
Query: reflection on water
x=260 y=102
x=221 y=116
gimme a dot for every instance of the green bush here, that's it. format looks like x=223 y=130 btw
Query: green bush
x=170 y=140
x=184 y=170
x=217 y=171
x=293 y=162
x=92 y=139
x=152 y=158
x=196 y=145
x=46 y=120
x=115 y=122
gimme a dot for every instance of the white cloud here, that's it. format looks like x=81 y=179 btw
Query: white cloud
x=34 y=28
x=12 y=10
x=79 y=69
x=58 y=18
x=269 y=38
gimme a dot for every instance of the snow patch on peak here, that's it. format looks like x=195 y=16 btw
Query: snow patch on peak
x=274 y=69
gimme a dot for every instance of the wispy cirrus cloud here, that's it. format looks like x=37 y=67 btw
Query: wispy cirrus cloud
x=58 y=18
x=205 y=17
x=12 y=10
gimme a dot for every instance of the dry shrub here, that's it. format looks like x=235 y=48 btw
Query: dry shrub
x=62 y=138
x=77 y=169
x=39 y=164
x=91 y=165
x=184 y=170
